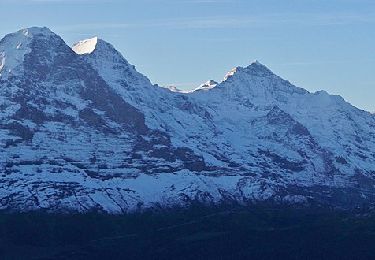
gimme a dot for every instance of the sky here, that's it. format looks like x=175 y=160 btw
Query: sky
x=315 y=44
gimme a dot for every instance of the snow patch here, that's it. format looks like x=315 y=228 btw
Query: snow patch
x=13 y=48
x=25 y=32
x=2 y=61
x=86 y=46
x=208 y=85
x=231 y=73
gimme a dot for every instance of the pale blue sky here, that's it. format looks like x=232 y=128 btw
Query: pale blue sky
x=316 y=44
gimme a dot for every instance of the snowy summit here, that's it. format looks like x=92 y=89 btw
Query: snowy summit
x=86 y=46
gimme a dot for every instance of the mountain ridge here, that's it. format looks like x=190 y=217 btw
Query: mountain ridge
x=86 y=131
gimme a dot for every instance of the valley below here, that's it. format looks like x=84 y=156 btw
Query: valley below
x=197 y=232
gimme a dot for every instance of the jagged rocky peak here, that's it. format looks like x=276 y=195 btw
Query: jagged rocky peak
x=258 y=68
x=257 y=81
x=26 y=34
x=110 y=63
x=94 y=45
x=96 y=49
x=20 y=39
x=254 y=69
x=14 y=47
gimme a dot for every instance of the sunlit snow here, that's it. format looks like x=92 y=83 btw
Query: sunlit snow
x=85 y=46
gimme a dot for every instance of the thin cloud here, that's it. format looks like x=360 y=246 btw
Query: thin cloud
x=205 y=1
x=54 y=1
x=321 y=62
x=223 y=22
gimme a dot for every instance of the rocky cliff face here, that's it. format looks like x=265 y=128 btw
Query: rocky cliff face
x=81 y=129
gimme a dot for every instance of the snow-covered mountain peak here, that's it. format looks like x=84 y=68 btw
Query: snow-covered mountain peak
x=32 y=31
x=110 y=63
x=255 y=68
x=258 y=85
x=15 y=46
x=258 y=69
x=27 y=33
x=256 y=62
x=98 y=48
x=86 y=46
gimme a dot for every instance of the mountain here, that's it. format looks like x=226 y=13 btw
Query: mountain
x=82 y=130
